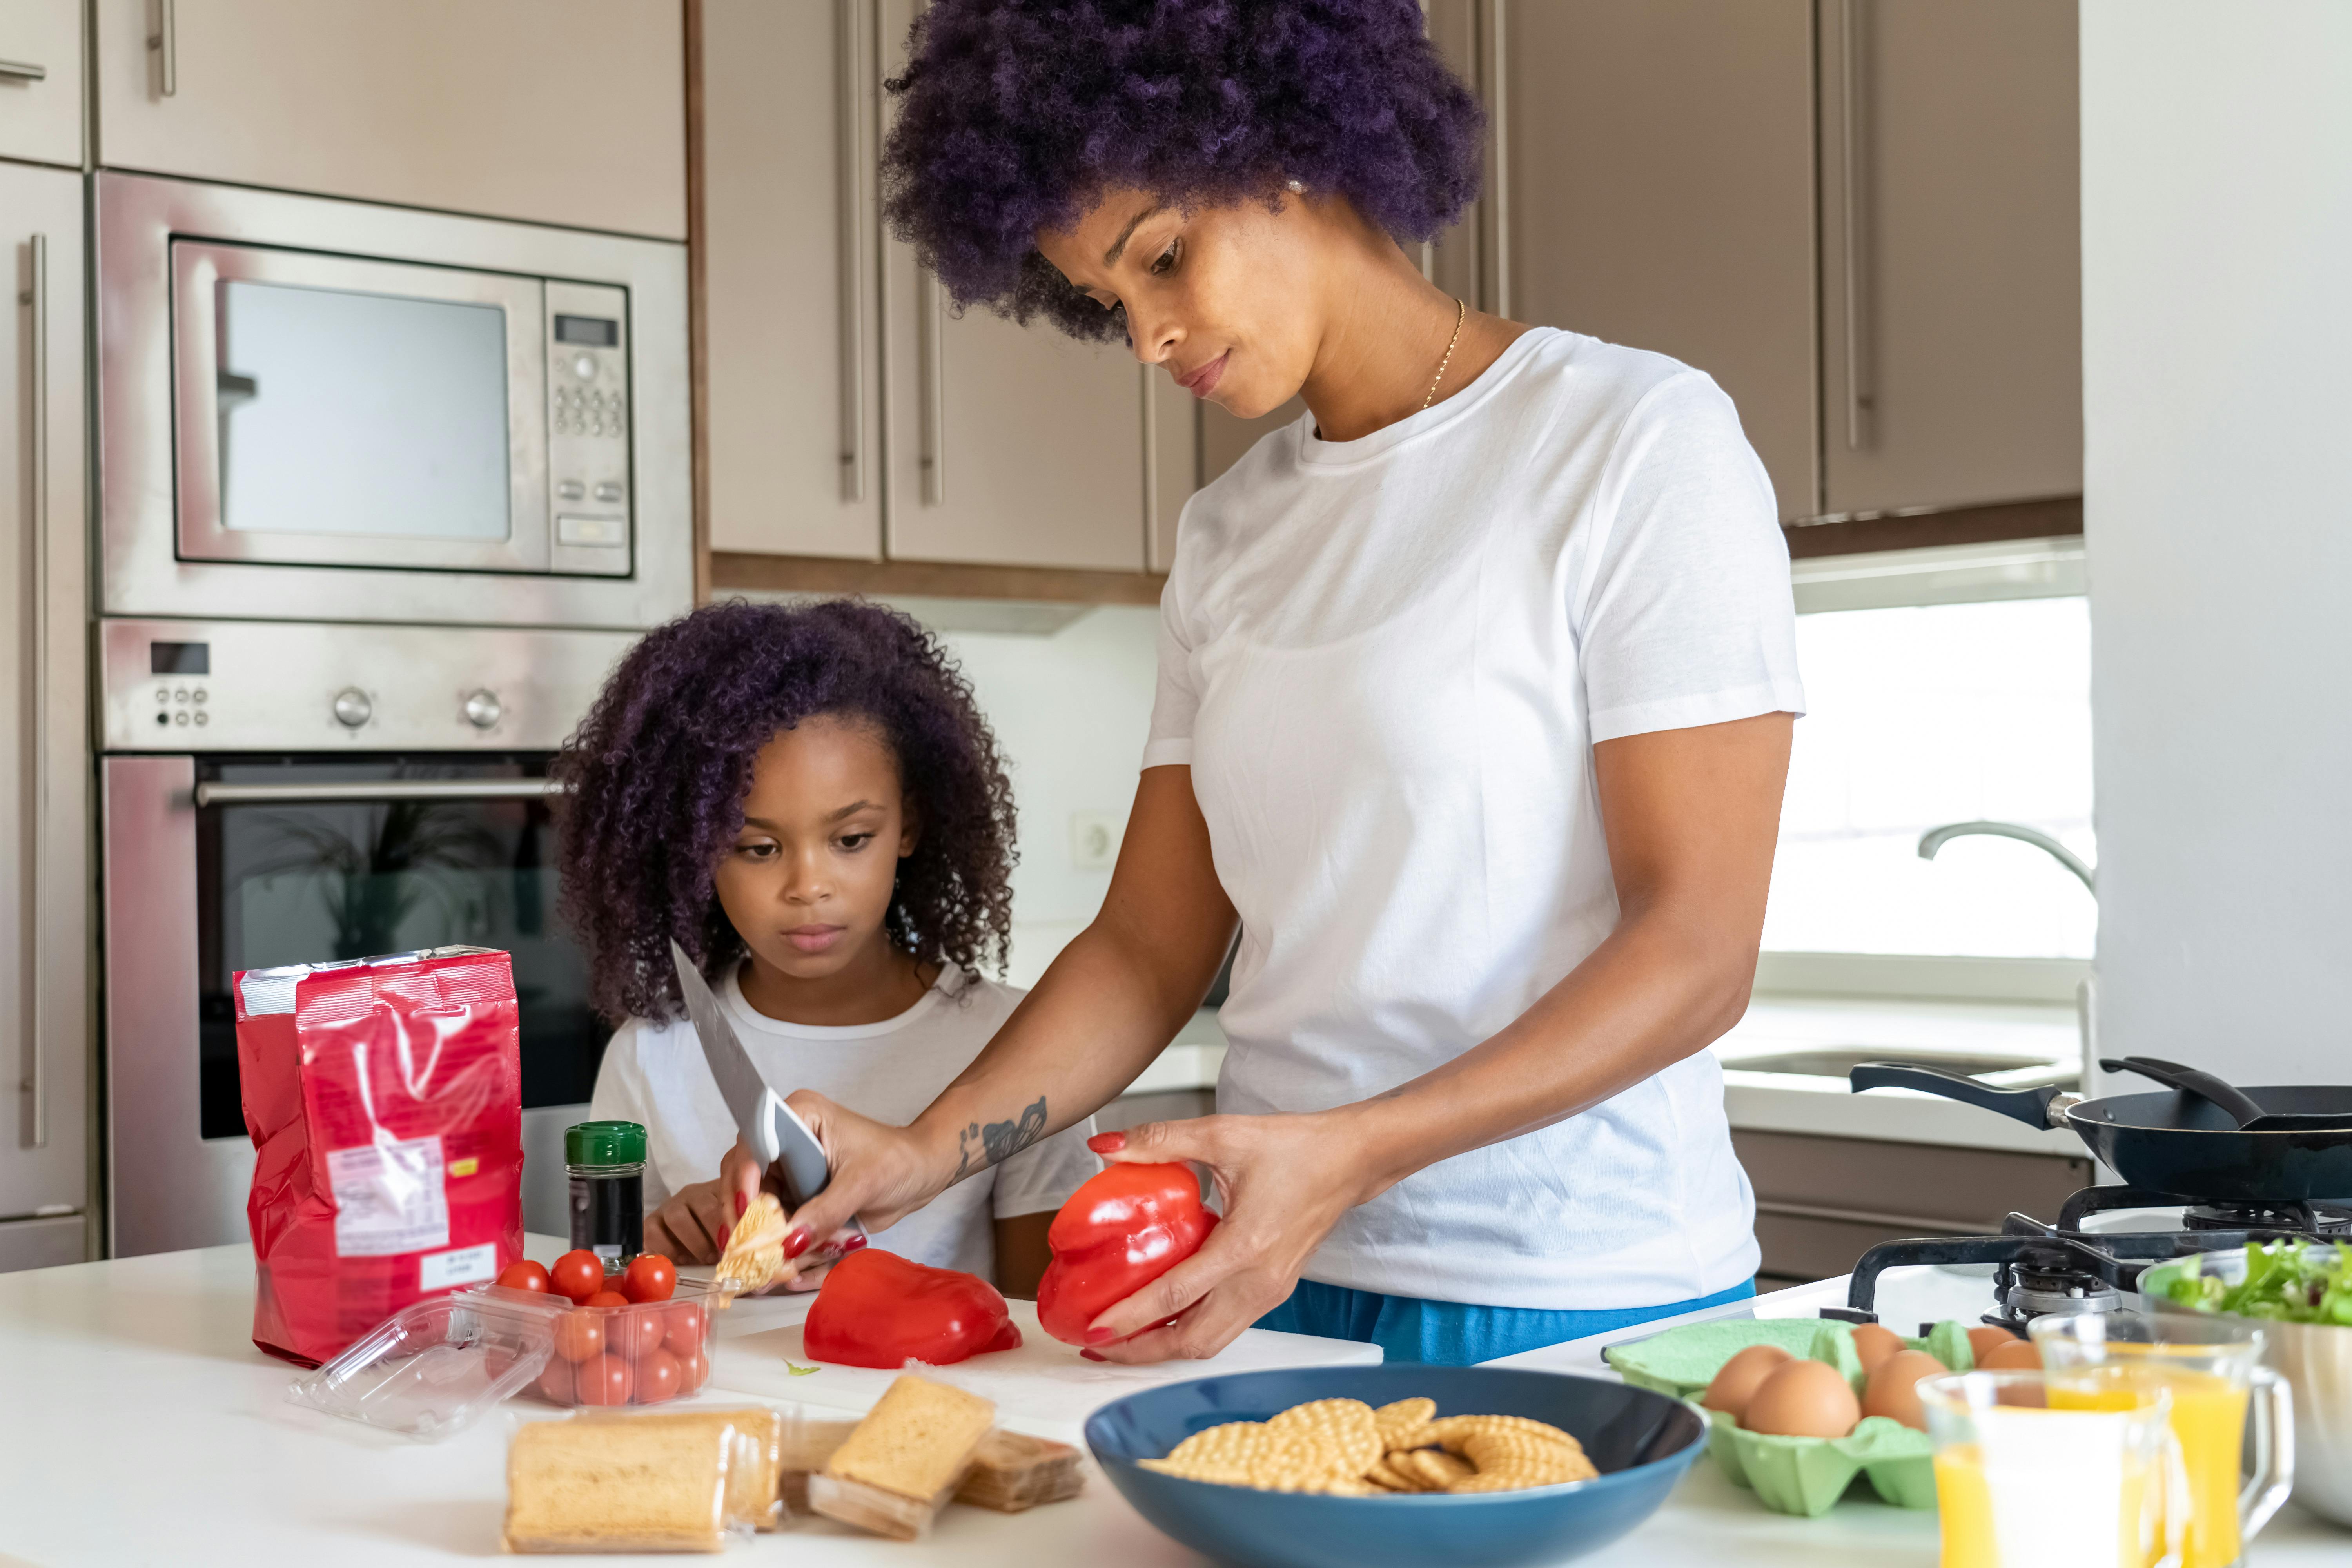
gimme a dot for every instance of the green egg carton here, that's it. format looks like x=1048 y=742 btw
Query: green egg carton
x=1802 y=1476
x=1806 y=1475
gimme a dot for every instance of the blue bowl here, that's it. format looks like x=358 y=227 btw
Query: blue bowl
x=1640 y=1441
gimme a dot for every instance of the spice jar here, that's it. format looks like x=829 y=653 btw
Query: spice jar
x=607 y=1164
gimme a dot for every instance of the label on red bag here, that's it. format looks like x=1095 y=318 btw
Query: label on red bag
x=389 y=1198
x=459 y=1266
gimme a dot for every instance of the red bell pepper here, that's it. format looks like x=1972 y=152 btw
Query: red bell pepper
x=1120 y=1232
x=877 y=1308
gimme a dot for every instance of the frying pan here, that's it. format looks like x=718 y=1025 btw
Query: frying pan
x=2182 y=1145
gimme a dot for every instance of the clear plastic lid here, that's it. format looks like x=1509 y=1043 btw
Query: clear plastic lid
x=433 y=1368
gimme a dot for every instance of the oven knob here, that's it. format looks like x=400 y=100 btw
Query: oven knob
x=482 y=709
x=352 y=708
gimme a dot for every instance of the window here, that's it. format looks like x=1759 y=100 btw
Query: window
x=1942 y=685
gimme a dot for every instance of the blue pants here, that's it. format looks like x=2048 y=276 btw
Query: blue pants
x=1456 y=1334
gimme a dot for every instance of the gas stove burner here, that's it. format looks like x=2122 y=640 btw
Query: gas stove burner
x=2265 y=1220
x=2287 y=1219
x=2028 y=1289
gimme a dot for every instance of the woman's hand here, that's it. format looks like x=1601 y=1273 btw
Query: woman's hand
x=1284 y=1181
x=881 y=1173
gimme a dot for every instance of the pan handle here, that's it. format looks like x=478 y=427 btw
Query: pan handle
x=2235 y=1104
x=2030 y=1106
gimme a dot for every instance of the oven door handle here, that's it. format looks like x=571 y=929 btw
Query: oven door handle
x=363 y=791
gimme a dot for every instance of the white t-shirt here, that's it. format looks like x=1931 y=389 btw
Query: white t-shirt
x=653 y=1073
x=1387 y=662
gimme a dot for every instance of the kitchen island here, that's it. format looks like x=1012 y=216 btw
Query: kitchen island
x=143 y=1427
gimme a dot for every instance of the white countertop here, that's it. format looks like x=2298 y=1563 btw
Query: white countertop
x=145 y=1427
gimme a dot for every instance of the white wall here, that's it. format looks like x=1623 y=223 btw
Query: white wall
x=2216 y=383
x=1070 y=711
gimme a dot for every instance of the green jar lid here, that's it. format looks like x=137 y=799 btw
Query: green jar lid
x=604 y=1143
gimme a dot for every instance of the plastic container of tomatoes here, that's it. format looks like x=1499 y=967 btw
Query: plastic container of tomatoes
x=433 y=1368
x=613 y=1352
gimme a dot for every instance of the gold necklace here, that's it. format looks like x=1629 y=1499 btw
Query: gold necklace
x=1461 y=310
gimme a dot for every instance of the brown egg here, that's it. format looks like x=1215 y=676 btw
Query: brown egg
x=1894 y=1387
x=1983 y=1340
x=2017 y=1355
x=1737 y=1378
x=1803 y=1399
x=1874 y=1345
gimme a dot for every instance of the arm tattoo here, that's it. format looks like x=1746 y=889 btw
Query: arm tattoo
x=999 y=1140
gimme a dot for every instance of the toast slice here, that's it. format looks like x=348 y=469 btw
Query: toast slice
x=905 y=1460
x=617 y=1486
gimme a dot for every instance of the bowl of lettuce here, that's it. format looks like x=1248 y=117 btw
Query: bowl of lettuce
x=2301 y=1293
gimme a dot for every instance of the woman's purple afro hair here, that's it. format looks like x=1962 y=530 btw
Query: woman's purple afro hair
x=660 y=766
x=1015 y=114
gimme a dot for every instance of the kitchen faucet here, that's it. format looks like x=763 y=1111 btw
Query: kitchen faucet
x=1935 y=838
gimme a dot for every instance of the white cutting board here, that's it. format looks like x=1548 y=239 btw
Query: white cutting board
x=1043 y=1384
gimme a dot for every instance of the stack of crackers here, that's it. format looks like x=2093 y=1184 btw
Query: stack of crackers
x=1344 y=1448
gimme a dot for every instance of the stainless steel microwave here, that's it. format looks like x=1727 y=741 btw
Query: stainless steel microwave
x=315 y=409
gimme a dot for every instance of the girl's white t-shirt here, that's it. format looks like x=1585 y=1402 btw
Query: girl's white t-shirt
x=653 y=1073
x=1387 y=662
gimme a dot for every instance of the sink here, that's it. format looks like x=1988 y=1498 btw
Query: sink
x=1837 y=1061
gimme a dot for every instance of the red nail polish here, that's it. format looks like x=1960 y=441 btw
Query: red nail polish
x=852 y=1244
x=1107 y=1142
x=742 y=1204
x=1099 y=1336
x=1092 y=1355
x=797 y=1243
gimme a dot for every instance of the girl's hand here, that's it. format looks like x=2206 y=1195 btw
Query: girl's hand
x=693 y=1226
x=1284 y=1181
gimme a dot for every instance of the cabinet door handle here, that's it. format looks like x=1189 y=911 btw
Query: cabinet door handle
x=369 y=791
x=1858 y=401
x=23 y=70
x=850 y=24
x=931 y=313
x=164 y=43
x=37 y=343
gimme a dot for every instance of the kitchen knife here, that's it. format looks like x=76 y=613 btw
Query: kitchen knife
x=768 y=1126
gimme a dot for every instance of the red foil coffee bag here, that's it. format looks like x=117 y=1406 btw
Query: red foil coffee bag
x=384 y=1099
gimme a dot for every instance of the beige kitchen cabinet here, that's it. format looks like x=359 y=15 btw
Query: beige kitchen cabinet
x=1658 y=190
x=45 y=933
x=789 y=272
x=1950 y=241
x=41 y=80
x=561 y=111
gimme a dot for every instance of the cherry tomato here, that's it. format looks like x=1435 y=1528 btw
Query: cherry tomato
x=556 y=1385
x=523 y=1274
x=579 y=1336
x=651 y=1277
x=643 y=1331
x=686 y=1325
x=658 y=1377
x=604 y=1381
x=693 y=1371
x=577 y=1274
x=607 y=1299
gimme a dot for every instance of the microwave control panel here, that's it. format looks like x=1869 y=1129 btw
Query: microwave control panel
x=588 y=401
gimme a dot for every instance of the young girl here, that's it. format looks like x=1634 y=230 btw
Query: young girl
x=808 y=800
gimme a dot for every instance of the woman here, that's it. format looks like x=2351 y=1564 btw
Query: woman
x=1476 y=693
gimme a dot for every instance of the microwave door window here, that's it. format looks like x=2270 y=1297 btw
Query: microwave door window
x=361 y=415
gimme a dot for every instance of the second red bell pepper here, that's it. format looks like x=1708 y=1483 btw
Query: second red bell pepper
x=1120 y=1231
x=877 y=1308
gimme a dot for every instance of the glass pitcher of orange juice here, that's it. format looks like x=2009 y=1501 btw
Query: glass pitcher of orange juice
x=2023 y=1482
x=2212 y=1368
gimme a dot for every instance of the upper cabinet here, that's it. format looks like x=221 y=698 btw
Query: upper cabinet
x=40 y=81
x=1951 y=253
x=850 y=413
x=1860 y=216
x=561 y=111
x=1658 y=190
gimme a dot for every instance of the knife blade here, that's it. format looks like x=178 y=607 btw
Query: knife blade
x=768 y=1126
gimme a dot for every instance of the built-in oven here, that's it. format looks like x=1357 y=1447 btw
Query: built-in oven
x=279 y=793
x=327 y=410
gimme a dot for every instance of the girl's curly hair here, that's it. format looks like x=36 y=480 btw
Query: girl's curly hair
x=658 y=771
x=1015 y=114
